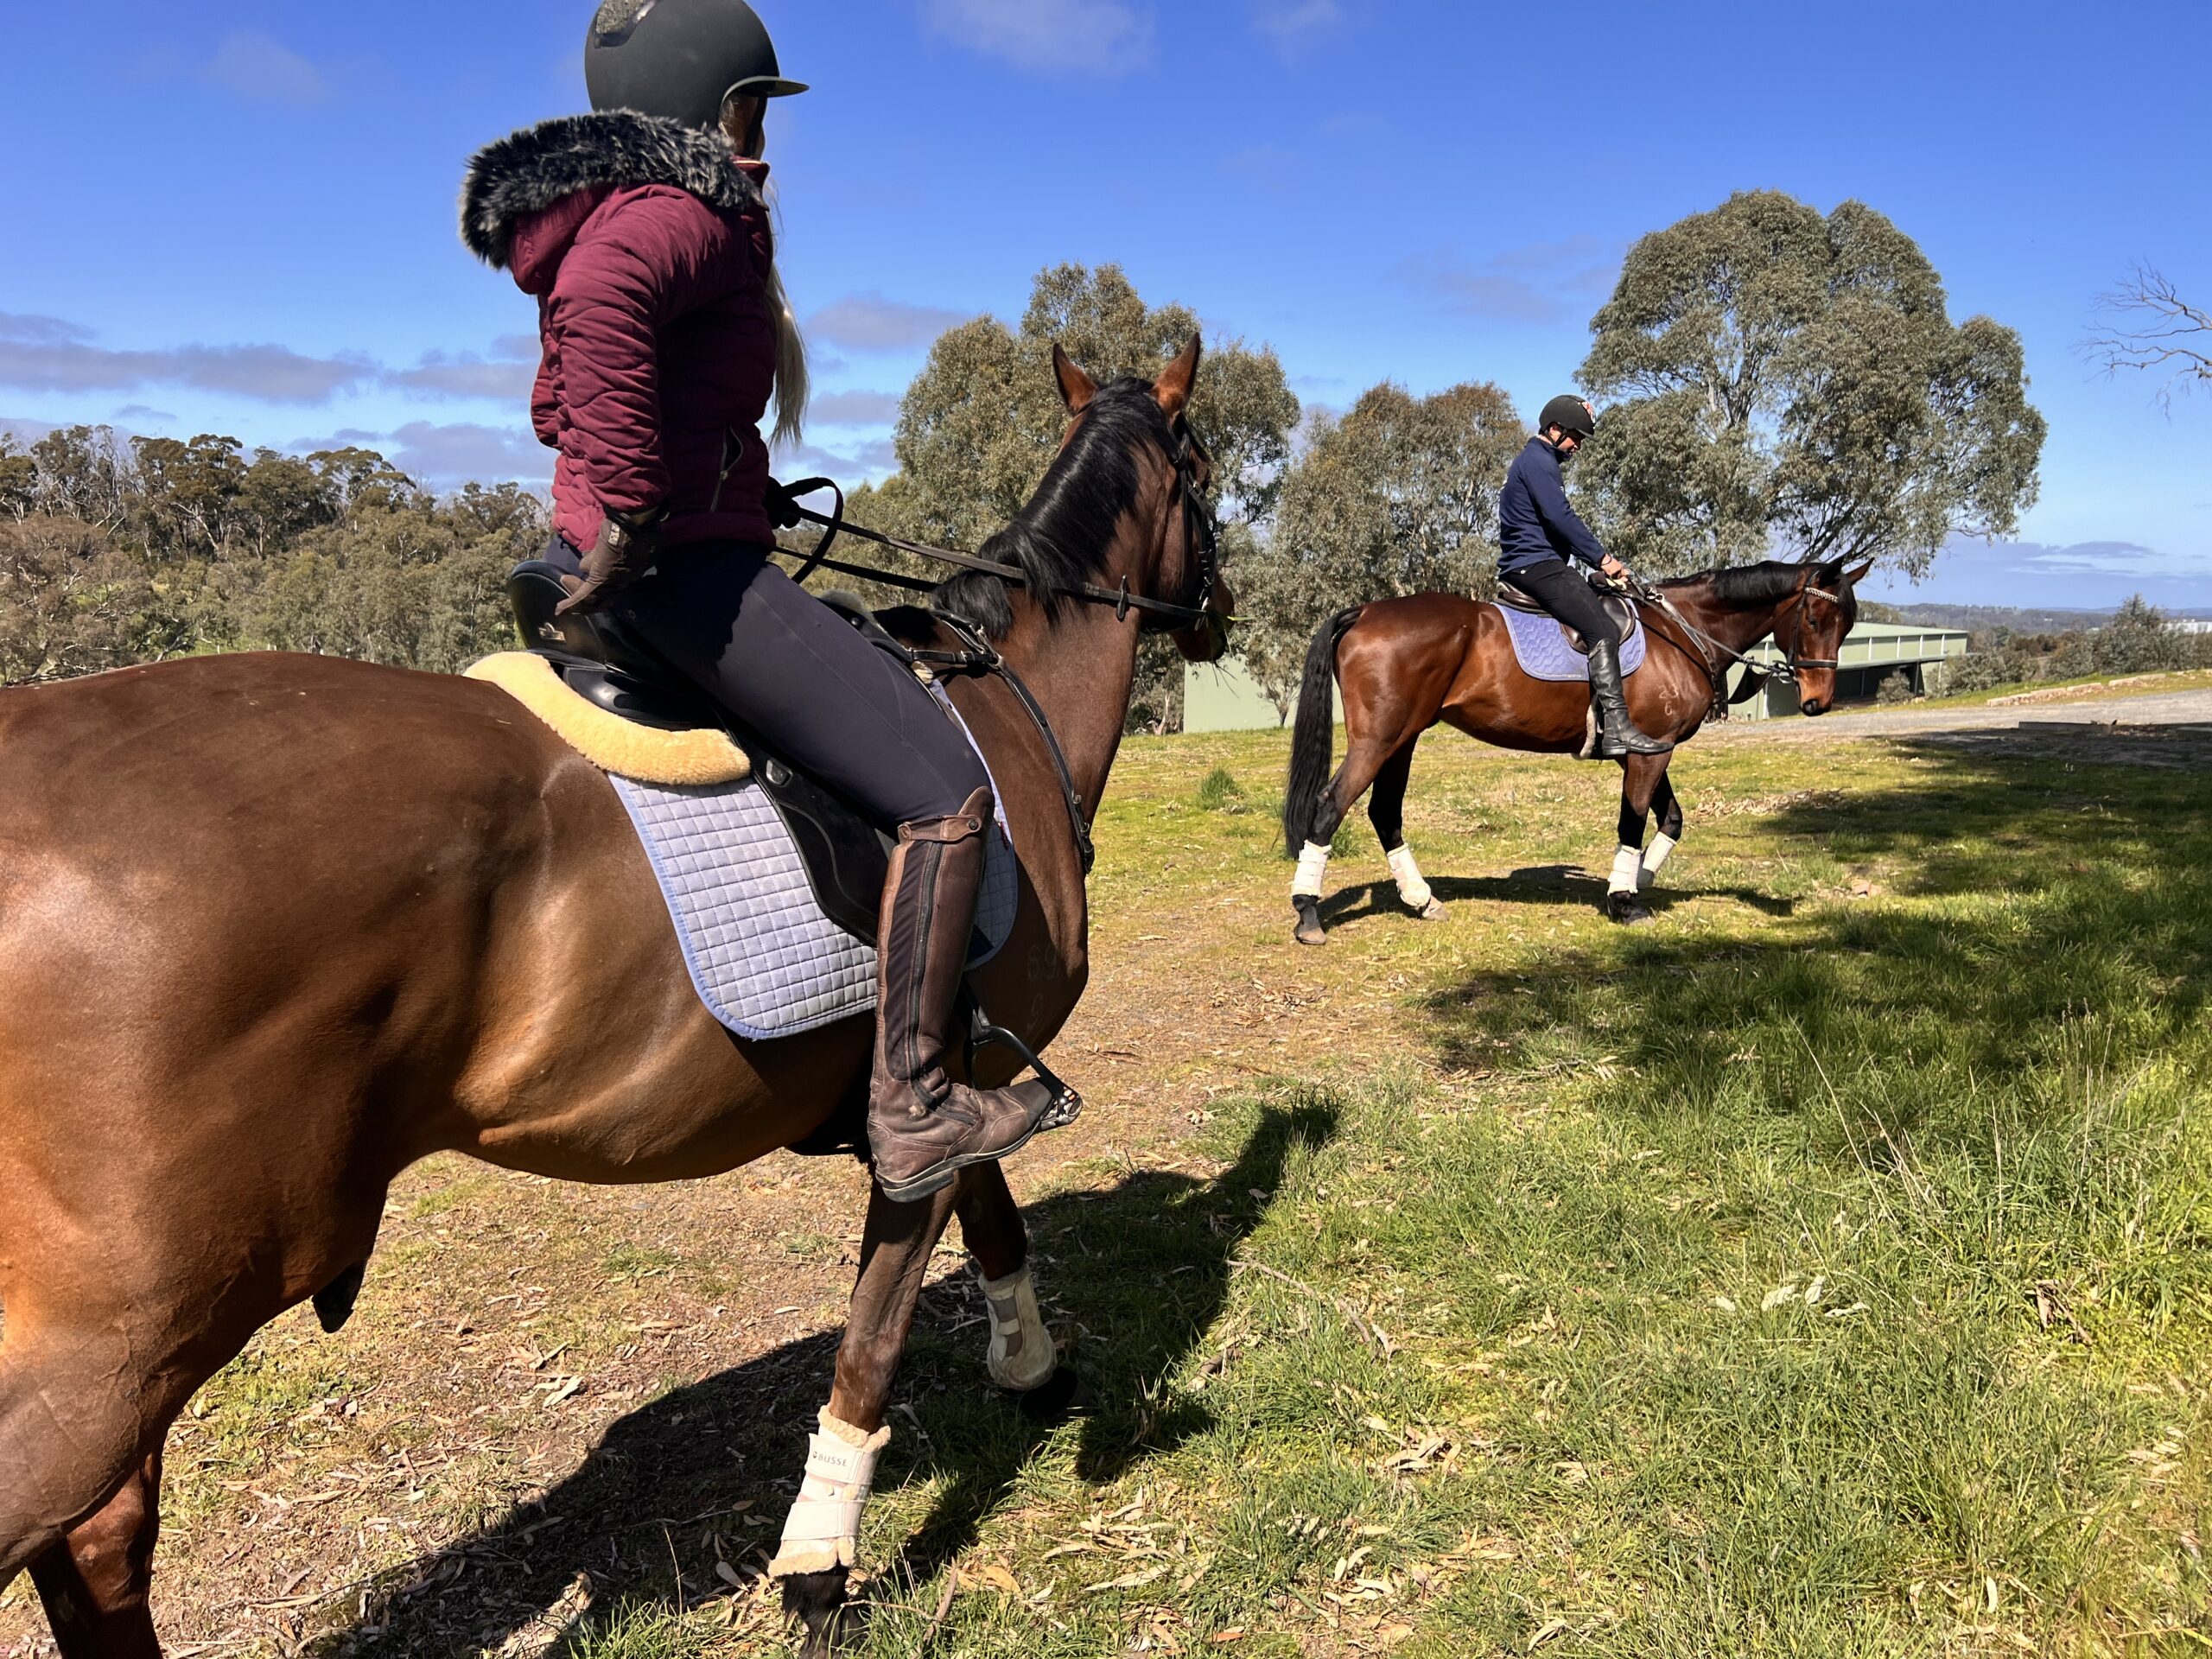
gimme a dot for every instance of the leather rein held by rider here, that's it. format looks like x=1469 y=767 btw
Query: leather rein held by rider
x=977 y=655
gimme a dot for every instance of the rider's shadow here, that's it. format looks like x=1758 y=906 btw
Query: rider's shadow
x=1135 y=1274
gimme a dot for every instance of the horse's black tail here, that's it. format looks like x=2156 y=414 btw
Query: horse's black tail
x=1314 y=737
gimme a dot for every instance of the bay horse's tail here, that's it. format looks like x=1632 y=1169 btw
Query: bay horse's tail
x=1313 y=738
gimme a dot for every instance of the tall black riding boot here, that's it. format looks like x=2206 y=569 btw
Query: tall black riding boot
x=1618 y=734
x=923 y=1127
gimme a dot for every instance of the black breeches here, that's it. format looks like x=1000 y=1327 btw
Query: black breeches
x=1566 y=592
x=835 y=706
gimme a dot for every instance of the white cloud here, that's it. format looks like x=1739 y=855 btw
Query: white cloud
x=868 y=322
x=1085 y=37
x=263 y=70
x=441 y=374
x=1290 y=21
x=45 y=354
x=1541 y=282
x=854 y=409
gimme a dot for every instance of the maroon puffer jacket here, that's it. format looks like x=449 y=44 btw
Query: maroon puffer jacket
x=647 y=246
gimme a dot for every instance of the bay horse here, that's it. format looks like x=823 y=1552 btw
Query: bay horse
x=1403 y=664
x=273 y=928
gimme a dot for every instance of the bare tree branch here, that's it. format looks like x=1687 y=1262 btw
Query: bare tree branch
x=2159 y=331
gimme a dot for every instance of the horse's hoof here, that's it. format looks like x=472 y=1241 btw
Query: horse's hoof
x=1627 y=909
x=1433 y=911
x=1057 y=1397
x=817 y=1600
x=1310 y=930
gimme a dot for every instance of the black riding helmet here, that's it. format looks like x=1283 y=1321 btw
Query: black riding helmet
x=681 y=59
x=1570 y=414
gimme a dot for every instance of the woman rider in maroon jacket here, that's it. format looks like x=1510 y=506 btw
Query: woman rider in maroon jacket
x=641 y=232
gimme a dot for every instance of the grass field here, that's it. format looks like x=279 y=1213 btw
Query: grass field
x=1820 y=1271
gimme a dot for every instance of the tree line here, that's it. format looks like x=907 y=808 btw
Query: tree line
x=1774 y=380
x=115 y=552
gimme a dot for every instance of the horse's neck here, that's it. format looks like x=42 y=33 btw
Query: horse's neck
x=1738 y=629
x=1081 y=668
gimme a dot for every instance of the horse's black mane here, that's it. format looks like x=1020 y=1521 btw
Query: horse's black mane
x=1759 y=584
x=1059 y=540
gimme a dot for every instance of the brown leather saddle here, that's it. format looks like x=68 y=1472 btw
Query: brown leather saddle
x=1619 y=607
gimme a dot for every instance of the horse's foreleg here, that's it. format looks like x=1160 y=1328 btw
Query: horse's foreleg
x=821 y=1536
x=1386 y=810
x=1640 y=775
x=1669 y=808
x=94 y=1582
x=1023 y=1356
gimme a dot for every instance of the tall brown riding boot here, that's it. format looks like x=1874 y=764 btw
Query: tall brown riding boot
x=923 y=1127
x=1618 y=734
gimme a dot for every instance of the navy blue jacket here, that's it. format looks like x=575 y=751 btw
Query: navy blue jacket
x=1533 y=521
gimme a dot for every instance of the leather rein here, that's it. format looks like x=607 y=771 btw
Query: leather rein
x=1199 y=527
x=1757 y=674
x=977 y=655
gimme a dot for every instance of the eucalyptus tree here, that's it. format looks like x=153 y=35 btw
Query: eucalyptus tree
x=1398 y=496
x=984 y=419
x=1778 y=380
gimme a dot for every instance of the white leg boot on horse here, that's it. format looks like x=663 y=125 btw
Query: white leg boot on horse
x=1413 y=890
x=1305 y=892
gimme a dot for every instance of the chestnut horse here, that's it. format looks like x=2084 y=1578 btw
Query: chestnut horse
x=273 y=928
x=1403 y=664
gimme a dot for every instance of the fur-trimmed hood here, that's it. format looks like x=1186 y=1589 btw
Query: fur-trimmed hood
x=528 y=171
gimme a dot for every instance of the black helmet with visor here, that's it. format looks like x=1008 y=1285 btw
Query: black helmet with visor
x=1570 y=414
x=681 y=59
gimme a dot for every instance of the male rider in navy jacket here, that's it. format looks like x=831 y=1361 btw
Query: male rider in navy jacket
x=1538 y=533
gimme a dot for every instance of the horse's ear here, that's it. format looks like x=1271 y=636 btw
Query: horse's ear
x=1853 y=576
x=1172 y=389
x=1077 y=388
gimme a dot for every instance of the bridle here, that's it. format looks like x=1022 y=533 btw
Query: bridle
x=976 y=655
x=1757 y=674
x=1200 y=528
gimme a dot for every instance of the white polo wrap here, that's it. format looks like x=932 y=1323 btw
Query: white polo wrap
x=1628 y=866
x=823 y=1531
x=1411 y=887
x=1022 y=1355
x=1312 y=865
x=1654 y=856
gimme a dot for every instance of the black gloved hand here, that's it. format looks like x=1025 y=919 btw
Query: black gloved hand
x=628 y=546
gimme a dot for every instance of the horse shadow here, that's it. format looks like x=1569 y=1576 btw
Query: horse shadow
x=1565 y=886
x=1970 y=821
x=1136 y=1275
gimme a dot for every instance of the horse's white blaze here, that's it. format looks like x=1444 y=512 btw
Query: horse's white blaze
x=1022 y=1355
x=1411 y=887
x=1312 y=865
x=1628 y=865
x=1655 y=857
x=823 y=1529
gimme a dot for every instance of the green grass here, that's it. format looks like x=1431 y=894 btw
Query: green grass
x=1822 y=1272
x=1826 y=1270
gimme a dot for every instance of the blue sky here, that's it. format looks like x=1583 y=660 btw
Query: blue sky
x=239 y=218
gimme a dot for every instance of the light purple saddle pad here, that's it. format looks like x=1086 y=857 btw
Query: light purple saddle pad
x=763 y=957
x=1540 y=645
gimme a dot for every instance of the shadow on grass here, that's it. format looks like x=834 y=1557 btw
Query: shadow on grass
x=2106 y=936
x=1568 y=885
x=1136 y=1273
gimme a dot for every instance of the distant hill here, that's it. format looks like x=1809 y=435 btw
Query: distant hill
x=1987 y=618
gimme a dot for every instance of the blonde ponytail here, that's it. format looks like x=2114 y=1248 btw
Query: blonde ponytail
x=743 y=125
x=792 y=374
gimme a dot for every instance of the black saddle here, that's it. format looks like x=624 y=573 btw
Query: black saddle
x=1619 y=606
x=846 y=858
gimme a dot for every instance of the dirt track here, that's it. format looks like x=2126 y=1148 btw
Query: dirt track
x=2191 y=708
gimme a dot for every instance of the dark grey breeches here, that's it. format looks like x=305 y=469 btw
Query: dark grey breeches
x=786 y=665
x=1566 y=592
